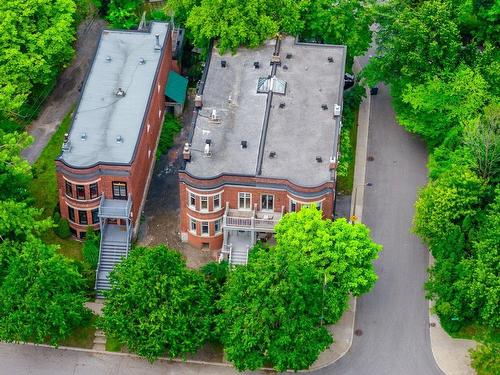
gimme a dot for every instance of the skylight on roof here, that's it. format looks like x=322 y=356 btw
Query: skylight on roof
x=276 y=85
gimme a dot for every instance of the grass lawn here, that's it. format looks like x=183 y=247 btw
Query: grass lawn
x=113 y=345
x=82 y=337
x=44 y=188
x=344 y=184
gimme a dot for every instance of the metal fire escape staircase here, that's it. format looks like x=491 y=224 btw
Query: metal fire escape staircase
x=115 y=238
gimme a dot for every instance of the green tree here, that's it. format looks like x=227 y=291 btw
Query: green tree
x=36 y=42
x=249 y=23
x=416 y=41
x=91 y=248
x=15 y=172
x=124 y=14
x=19 y=222
x=483 y=286
x=345 y=22
x=156 y=305
x=41 y=296
x=446 y=205
x=482 y=138
x=271 y=313
x=342 y=252
x=486 y=358
x=433 y=108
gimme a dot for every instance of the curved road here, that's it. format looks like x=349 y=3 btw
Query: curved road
x=394 y=317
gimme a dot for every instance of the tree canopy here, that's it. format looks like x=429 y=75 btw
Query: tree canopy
x=36 y=43
x=156 y=305
x=249 y=23
x=271 y=313
x=41 y=296
x=343 y=252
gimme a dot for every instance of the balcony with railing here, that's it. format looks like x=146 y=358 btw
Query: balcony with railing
x=115 y=208
x=259 y=221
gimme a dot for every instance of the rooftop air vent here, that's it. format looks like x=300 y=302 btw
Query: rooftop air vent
x=288 y=55
x=272 y=154
x=120 y=92
x=157 y=43
x=119 y=139
x=206 y=151
x=243 y=144
x=223 y=63
x=319 y=159
x=83 y=136
x=282 y=105
x=336 y=110
x=108 y=58
x=330 y=59
x=324 y=106
x=256 y=65
x=285 y=67
x=142 y=61
x=66 y=146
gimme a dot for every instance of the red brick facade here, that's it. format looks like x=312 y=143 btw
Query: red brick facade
x=225 y=190
x=136 y=175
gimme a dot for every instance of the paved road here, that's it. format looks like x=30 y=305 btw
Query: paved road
x=394 y=317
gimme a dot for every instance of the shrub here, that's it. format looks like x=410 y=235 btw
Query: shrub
x=62 y=229
x=171 y=126
x=91 y=248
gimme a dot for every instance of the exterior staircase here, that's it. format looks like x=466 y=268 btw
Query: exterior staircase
x=238 y=256
x=112 y=253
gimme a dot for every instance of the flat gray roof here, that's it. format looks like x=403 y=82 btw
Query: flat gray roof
x=126 y=60
x=297 y=133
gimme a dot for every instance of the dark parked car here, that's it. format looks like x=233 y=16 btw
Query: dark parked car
x=349 y=81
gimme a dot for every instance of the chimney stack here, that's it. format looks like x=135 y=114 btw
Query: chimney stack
x=186 y=152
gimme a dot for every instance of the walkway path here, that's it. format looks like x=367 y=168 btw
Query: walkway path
x=67 y=89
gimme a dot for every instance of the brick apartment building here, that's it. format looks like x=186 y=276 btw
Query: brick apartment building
x=107 y=158
x=265 y=142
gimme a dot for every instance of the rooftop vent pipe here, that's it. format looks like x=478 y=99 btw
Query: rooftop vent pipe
x=120 y=92
x=223 y=63
x=272 y=154
x=157 y=43
x=256 y=65
x=119 y=139
x=66 y=146
x=108 y=58
x=186 y=152
x=243 y=144
x=319 y=159
x=330 y=59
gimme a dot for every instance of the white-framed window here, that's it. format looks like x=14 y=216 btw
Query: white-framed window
x=293 y=205
x=159 y=113
x=244 y=201
x=204 y=228
x=267 y=202
x=192 y=200
x=159 y=88
x=149 y=154
x=149 y=126
x=218 y=225
x=203 y=203
x=216 y=201
x=192 y=225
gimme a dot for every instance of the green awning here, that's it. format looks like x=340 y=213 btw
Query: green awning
x=176 y=87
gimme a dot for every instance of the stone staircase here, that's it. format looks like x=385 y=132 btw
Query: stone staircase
x=238 y=256
x=112 y=253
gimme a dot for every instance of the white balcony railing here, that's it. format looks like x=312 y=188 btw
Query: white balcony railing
x=251 y=220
